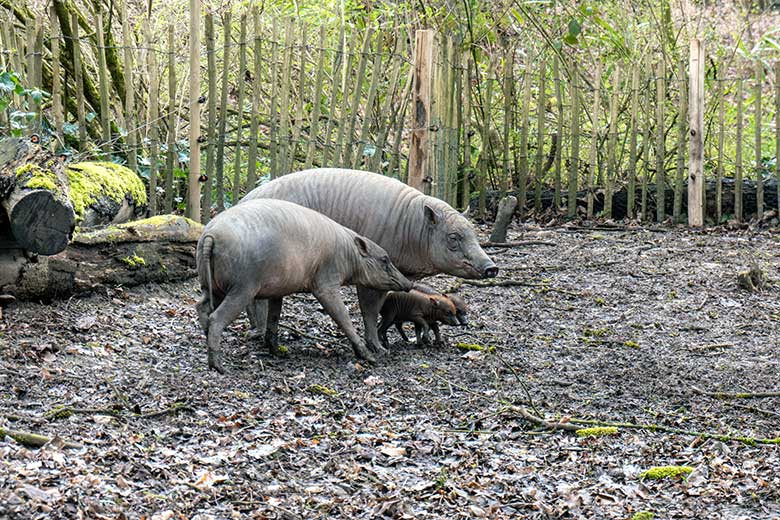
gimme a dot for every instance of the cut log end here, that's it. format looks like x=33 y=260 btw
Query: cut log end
x=41 y=223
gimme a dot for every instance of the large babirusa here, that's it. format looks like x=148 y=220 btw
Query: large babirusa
x=268 y=249
x=423 y=235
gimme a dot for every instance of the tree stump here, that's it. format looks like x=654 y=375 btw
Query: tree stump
x=506 y=208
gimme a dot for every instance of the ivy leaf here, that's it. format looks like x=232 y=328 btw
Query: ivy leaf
x=574 y=28
x=571 y=40
x=89 y=117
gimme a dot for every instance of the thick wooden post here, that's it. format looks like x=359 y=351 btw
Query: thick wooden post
x=660 y=142
x=682 y=127
x=696 y=154
x=738 y=157
x=222 y=121
x=56 y=80
x=759 y=158
x=80 y=105
x=419 y=150
x=593 y=157
x=211 y=130
x=242 y=70
x=171 y=156
x=154 y=111
x=193 y=197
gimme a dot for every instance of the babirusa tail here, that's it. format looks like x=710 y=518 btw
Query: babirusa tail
x=208 y=247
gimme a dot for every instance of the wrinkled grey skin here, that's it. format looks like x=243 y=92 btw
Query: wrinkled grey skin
x=271 y=248
x=423 y=235
x=424 y=310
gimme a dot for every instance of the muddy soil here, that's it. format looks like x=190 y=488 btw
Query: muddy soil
x=611 y=325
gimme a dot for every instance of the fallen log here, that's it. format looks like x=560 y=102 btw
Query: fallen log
x=158 y=249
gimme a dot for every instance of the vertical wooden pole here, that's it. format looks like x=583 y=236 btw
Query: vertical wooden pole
x=467 y=132
x=211 y=74
x=777 y=132
x=376 y=72
x=721 y=94
x=738 y=158
x=696 y=165
x=660 y=149
x=682 y=139
x=338 y=57
x=632 y=151
x=30 y=70
x=242 y=70
x=522 y=179
x=273 y=143
x=574 y=168
x=37 y=69
x=254 y=124
x=349 y=138
x=154 y=143
x=222 y=125
x=171 y=156
x=105 y=125
x=80 y=107
x=419 y=150
x=647 y=118
x=56 y=79
x=457 y=76
x=612 y=162
x=387 y=114
x=317 y=102
x=193 y=184
x=300 y=98
x=593 y=156
x=346 y=89
x=130 y=117
x=284 y=103
x=508 y=104
x=558 y=132
x=759 y=158
x=484 y=154
x=395 y=157
x=541 y=102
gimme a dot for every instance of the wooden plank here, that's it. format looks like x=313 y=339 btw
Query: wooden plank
x=541 y=103
x=193 y=184
x=154 y=143
x=56 y=76
x=682 y=141
x=211 y=129
x=759 y=159
x=316 y=108
x=696 y=165
x=130 y=116
x=419 y=150
x=738 y=157
x=254 y=122
x=558 y=132
x=346 y=152
x=574 y=167
x=612 y=162
x=522 y=178
x=660 y=148
x=222 y=124
x=105 y=124
x=632 y=150
x=79 y=81
x=593 y=156
x=171 y=158
x=242 y=80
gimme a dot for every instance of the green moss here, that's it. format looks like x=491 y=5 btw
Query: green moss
x=643 y=515
x=474 y=346
x=88 y=181
x=59 y=412
x=595 y=333
x=631 y=344
x=133 y=261
x=662 y=472
x=34 y=177
x=283 y=350
x=598 y=431
x=323 y=390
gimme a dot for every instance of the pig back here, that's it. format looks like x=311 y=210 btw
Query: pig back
x=383 y=209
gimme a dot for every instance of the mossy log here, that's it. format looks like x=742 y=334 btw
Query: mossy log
x=45 y=199
x=35 y=196
x=157 y=249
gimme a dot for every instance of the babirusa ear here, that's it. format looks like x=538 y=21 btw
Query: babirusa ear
x=434 y=302
x=362 y=246
x=431 y=215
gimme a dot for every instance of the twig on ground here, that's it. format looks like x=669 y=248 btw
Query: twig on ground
x=33 y=440
x=519 y=243
x=178 y=407
x=770 y=413
x=703 y=348
x=736 y=395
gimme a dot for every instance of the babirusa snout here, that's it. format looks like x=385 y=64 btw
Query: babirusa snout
x=489 y=270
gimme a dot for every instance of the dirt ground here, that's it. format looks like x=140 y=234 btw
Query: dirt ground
x=611 y=325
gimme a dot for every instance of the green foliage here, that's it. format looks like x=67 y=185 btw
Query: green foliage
x=662 y=472
x=598 y=431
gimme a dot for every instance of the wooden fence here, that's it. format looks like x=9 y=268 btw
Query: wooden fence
x=278 y=95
